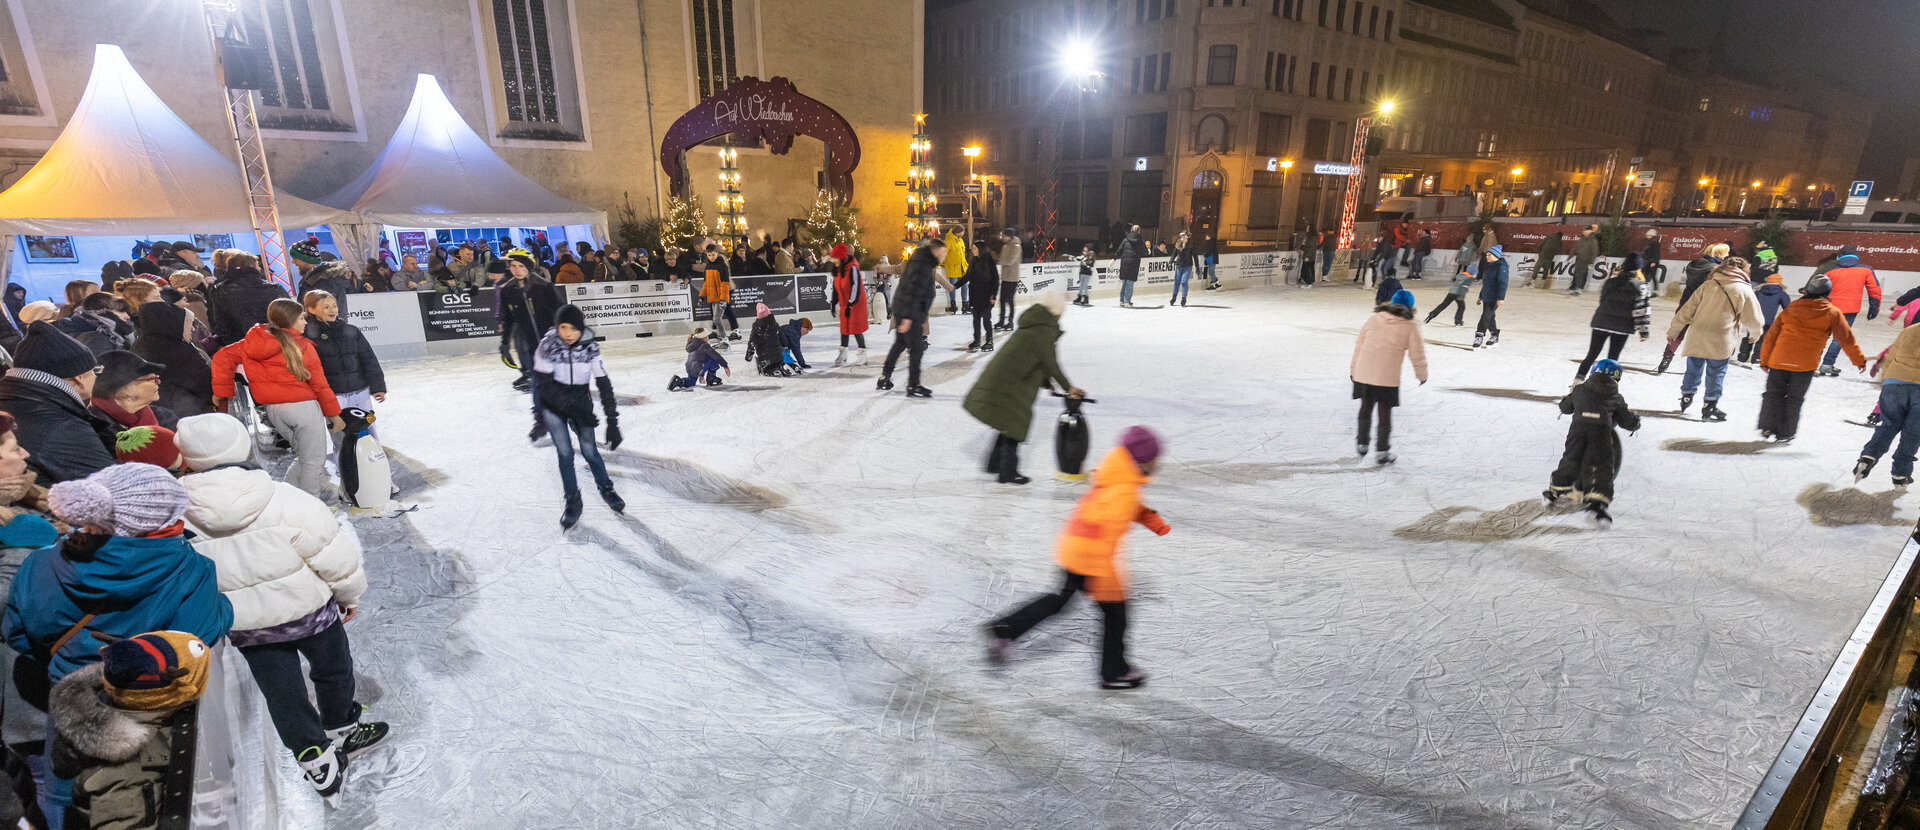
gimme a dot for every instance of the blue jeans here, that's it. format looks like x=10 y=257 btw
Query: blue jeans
x=1833 y=347
x=1086 y=284
x=1181 y=277
x=711 y=367
x=563 y=446
x=1126 y=291
x=1899 y=414
x=1715 y=370
x=1326 y=260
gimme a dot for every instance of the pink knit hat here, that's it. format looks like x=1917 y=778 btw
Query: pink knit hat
x=1142 y=444
x=761 y=310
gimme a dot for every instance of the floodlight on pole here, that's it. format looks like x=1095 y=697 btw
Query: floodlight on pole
x=1079 y=61
x=1356 y=177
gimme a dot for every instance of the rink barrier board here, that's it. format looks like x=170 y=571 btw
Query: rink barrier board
x=415 y=324
x=1798 y=786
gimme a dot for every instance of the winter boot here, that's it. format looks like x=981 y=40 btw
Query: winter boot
x=1685 y=401
x=571 y=514
x=884 y=384
x=1665 y=361
x=614 y=502
x=1862 y=467
x=359 y=736
x=325 y=770
x=842 y=359
x=1131 y=680
x=919 y=392
x=1710 y=411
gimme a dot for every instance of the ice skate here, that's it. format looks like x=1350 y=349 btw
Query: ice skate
x=883 y=385
x=973 y=347
x=919 y=392
x=713 y=379
x=1902 y=481
x=522 y=384
x=1863 y=467
x=1131 y=680
x=1013 y=477
x=1183 y=300
x=677 y=383
x=861 y=358
x=987 y=346
x=1665 y=361
x=1361 y=449
x=325 y=770
x=359 y=736
x=1827 y=370
x=538 y=432
x=1685 y=401
x=733 y=335
x=613 y=500
x=842 y=359
x=570 y=515
x=1555 y=495
x=1479 y=340
x=1385 y=458
x=1493 y=340
x=1710 y=411
x=1597 y=512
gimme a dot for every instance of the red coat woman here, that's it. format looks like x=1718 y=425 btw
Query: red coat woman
x=849 y=302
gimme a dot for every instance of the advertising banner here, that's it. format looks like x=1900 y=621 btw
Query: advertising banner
x=1882 y=251
x=784 y=294
x=1682 y=245
x=1525 y=237
x=388 y=319
x=457 y=315
x=614 y=308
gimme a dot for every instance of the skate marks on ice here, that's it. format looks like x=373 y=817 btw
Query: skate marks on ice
x=1448 y=345
x=1259 y=472
x=1515 y=521
x=1829 y=507
x=691 y=482
x=412 y=475
x=1523 y=395
x=1703 y=446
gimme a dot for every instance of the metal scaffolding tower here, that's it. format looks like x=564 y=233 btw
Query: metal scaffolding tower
x=243 y=124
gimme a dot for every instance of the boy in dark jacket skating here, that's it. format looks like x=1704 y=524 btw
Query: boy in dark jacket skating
x=1493 y=295
x=1592 y=457
x=790 y=334
x=702 y=360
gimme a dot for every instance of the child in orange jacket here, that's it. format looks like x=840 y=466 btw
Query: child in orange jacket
x=1088 y=555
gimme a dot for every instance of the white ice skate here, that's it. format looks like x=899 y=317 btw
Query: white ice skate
x=842 y=359
x=326 y=771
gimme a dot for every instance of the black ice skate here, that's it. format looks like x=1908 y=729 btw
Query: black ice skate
x=358 y=737
x=883 y=385
x=1665 y=361
x=987 y=346
x=1479 y=340
x=1597 y=511
x=1902 y=481
x=1873 y=419
x=538 y=432
x=713 y=379
x=1493 y=340
x=919 y=392
x=1385 y=458
x=973 y=347
x=1685 y=401
x=613 y=500
x=1710 y=411
x=1862 y=467
x=522 y=384
x=325 y=770
x=677 y=383
x=1131 y=680
x=1553 y=495
x=570 y=515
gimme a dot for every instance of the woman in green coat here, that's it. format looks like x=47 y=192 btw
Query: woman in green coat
x=1003 y=397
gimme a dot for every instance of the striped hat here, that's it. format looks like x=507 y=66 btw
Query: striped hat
x=155 y=670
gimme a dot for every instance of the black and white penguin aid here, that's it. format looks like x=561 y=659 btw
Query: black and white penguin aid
x=365 y=476
x=1070 y=440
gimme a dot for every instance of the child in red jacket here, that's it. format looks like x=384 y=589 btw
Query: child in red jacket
x=283 y=374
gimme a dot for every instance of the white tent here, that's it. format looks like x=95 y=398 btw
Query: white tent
x=436 y=172
x=126 y=165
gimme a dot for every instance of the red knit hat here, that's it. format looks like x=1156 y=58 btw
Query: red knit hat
x=148 y=445
x=841 y=252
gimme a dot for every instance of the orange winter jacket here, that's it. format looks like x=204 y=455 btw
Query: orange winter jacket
x=1851 y=284
x=715 y=287
x=1090 y=544
x=268 y=377
x=1799 y=333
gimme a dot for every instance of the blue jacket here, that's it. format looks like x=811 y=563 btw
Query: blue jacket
x=133 y=586
x=790 y=338
x=1772 y=298
x=1388 y=285
x=1493 y=281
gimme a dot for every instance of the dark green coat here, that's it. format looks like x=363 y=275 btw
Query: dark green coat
x=1003 y=397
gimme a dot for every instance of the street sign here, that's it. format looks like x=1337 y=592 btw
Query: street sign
x=972 y=188
x=1644 y=178
x=1857 y=198
x=1635 y=161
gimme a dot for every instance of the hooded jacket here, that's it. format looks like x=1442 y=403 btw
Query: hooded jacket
x=1597 y=404
x=1622 y=299
x=1799 y=335
x=1586 y=249
x=1719 y=315
x=1852 y=283
x=1388 y=287
x=850 y=297
x=64 y=440
x=916 y=292
x=333 y=277
x=763 y=343
x=1773 y=297
x=1009 y=260
x=132 y=586
x=525 y=308
x=1697 y=272
x=1132 y=249
x=186 y=384
x=346 y=355
x=699 y=351
x=239 y=302
x=1493 y=277
x=566 y=372
x=1388 y=338
x=269 y=379
x=280 y=554
x=1003 y=396
x=1090 y=543
x=716 y=276
x=128 y=767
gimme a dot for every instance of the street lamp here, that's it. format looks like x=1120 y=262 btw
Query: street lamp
x=971 y=153
x=1513 y=186
x=1280 y=201
x=1700 y=193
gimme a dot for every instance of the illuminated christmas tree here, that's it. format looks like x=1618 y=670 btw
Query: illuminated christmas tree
x=685 y=224
x=831 y=223
x=921 y=221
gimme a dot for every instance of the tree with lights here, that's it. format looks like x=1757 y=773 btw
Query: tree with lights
x=921 y=220
x=831 y=223
x=685 y=224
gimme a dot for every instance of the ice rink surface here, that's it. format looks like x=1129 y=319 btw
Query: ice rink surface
x=784 y=630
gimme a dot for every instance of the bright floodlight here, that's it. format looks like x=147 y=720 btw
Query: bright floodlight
x=1518 y=170
x=1386 y=107
x=1078 y=60
x=970 y=152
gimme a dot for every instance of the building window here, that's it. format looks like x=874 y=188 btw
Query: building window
x=1140 y=197
x=1386 y=32
x=1066 y=199
x=1333 y=82
x=1166 y=69
x=1364 y=78
x=1151 y=80
x=23 y=89
x=1373 y=20
x=305 y=55
x=1340 y=17
x=1293 y=64
x=1145 y=11
x=1271 y=137
x=1220 y=64
x=1093 y=198
x=1135 y=87
x=1263 y=203
x=1211 y=134
x=1319 y=139
x=1313 y=80
x=1706 y=104
x=1356 y=17
x=1323 y=14
x=1267 y=81
x=1098 y=142
x=715 y=47
x=1146 y=135
x=1347 y=94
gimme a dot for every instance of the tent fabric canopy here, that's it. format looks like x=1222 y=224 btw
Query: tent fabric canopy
x=127 y=165
x=437 y=172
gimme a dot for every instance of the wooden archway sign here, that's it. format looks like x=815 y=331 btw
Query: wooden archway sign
x=766 y=113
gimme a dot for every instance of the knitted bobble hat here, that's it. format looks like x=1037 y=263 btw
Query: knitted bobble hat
x=1142 y=444
x=127 y=499
x=154 y=671
x=148 y=445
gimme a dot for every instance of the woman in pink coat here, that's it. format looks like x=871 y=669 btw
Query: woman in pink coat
x=1389 y=337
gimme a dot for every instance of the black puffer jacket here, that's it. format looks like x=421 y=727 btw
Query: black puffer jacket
x=1131 y=250
x=346 y=356
x=525 y=308
x=916 y=292
x=1597 y=404
x=333 y=277
x=1619 y=295
x=186 y=385
x=239 y=302
x=1697 y=273
x=64 y=441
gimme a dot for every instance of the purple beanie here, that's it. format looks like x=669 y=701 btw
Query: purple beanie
x=1142 y=444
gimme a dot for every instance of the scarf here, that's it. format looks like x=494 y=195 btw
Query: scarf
x=46 y=379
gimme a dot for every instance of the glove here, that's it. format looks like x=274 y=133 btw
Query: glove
x=334 y=424
x=613 y=433
x=1151 y=518
x=506 y=354
x=1873 y=308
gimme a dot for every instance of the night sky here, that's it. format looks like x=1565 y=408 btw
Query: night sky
x=1871 y=47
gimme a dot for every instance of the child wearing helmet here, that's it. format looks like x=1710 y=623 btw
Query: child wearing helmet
x=1592 y=456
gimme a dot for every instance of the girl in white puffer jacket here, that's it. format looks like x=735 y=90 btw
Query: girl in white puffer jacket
x=292 y=572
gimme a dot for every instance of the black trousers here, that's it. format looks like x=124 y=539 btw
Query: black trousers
x=1488 y=324
x=1367 y=410
x=1113 y=635
x=276 y=669
x=1780 y=403
x=1580 y=276
x=1589 y=463
x=1613 y=342
x=1007 y=290
x=857 y=338
x=1004 y=459
x=982 y=321
x=1459 y=304
x=915 y=345
x=1750 y=347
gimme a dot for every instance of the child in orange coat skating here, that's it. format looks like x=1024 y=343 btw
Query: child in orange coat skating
x=1088 y=555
